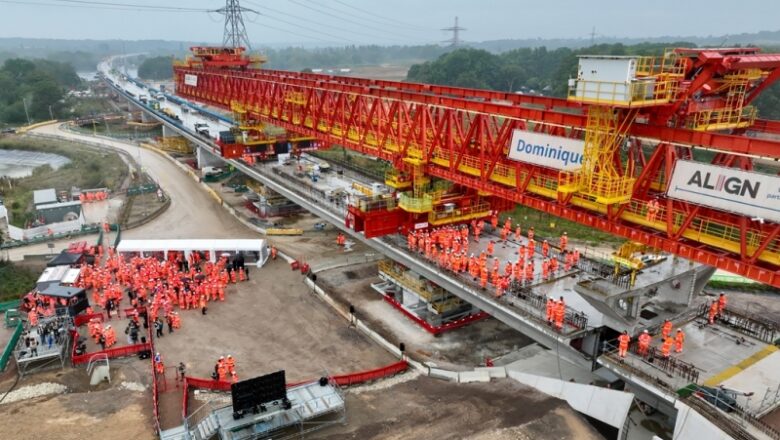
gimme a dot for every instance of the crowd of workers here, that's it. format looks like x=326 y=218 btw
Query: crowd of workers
x=155 y=289
x=668 y=341
x=451 y=249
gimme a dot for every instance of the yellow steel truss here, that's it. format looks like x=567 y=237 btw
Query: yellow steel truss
x=598 y=177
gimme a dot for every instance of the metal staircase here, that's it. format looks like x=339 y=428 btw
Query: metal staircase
x=206 y=429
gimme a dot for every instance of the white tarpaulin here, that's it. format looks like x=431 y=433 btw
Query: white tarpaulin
x=215 y=247
x=742 y=192
x=549 y=151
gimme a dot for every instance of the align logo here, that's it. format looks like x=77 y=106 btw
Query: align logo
x=743 y=192
x=729 y=184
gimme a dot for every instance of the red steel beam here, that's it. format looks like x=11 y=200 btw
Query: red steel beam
x=437 y=125
x=548 y=113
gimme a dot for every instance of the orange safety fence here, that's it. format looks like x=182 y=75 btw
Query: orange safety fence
x=340 y=380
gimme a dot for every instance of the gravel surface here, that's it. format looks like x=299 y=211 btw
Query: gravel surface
x=30 y=391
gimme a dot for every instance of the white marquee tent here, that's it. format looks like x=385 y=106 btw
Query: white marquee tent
x=147 y=248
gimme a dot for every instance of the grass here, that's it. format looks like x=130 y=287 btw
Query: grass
x=370 y=166
x=87 y=168
x=546 y=225
x=15 y=281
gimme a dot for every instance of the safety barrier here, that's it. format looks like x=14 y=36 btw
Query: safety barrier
x=118 y=235
x=370 y=375
x=340 y=380
x=80 y=320
x=9 y=348
x=13 y=304
x=111 y=353
x=438 y=329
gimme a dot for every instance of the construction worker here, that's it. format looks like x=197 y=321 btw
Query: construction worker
x=679 y=339
x=623 y=341
x=713 y=312
x=545 y=248
x=222 y=373
x=652 y=210
x=666 y=347
x=491 y=247
x=721 y=303
x=220 y=364
x=517 y=233
x=550 y=310
x=531 y=233
x=273 y=252
x=230 y=364
x=564 y=241
x=560 y=314
x=644 y=343
x=666 y=329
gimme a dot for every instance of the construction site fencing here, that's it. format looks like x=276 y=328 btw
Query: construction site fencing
x=111 y=353
x=340 y=380
x=9 y=348
x=438 y=329
x=142 y=189
x=753 y=326
x=712 y=406
x=572 y=317
x=85 y=230
x=670 y=365
x=13 y=304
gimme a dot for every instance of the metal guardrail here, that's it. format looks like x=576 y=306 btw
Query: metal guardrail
x=9 y=348
x=13 y=304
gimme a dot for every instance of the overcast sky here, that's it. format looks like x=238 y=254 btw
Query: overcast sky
x=389 y=21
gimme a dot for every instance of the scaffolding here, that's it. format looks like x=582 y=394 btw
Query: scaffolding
x=422 y=297
x=45 y=355
x=733 y=113
x=599 y=177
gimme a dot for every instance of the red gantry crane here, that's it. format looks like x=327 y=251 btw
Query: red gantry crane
x=666 y=151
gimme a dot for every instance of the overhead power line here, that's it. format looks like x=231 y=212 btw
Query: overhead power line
x=338 y=17
x=390 y=20
x=293 y=24
x=133 y=5
x=105 y=6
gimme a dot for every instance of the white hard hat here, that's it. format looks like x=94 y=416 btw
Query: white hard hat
x=645 y=331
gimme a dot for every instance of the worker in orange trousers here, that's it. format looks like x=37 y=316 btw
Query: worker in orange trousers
x=623 y=341
x=679 y=339
x=666 y=347
x=666 y=329
x=644 y=343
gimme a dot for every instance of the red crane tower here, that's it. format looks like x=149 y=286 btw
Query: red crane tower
x=666 y=151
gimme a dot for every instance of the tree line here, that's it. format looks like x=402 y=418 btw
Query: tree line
x=539 y=70
x=39 y=85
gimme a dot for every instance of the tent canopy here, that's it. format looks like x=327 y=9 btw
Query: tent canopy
x=215 y=246
x=65 y=259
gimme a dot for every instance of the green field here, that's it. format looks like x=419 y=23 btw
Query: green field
x=546 y=225
x=15 y=281
x=88 y=168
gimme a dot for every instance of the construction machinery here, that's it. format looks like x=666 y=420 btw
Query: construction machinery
x=632 y=130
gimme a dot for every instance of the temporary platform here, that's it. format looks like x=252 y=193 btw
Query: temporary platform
x=46 y=356
x=314 y=406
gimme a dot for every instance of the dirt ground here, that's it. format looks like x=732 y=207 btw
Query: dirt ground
x=268 y=323
x=271 y=322
x=106 y=411
x=426 y=408
x=464 y=347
